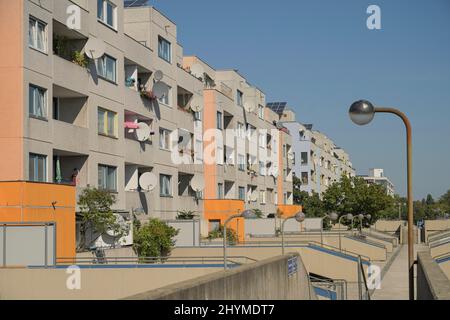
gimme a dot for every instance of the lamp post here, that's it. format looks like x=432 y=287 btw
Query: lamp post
x=333 y=217
x=247 y=214
x=362 y=112
x=348 y=217
x=360 y=217
x=299 y=217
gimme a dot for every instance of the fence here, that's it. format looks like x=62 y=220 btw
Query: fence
x=26 y=244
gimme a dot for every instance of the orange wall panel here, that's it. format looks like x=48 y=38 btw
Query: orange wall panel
x=209 y=122
x=222 y=210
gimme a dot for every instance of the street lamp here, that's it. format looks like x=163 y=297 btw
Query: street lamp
x=362 y=112
x=333 y=216
x=360 y=217
x=348 y=217
x=247 y=214
x=299 y=217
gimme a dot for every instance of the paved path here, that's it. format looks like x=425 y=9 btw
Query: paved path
x=394 y=285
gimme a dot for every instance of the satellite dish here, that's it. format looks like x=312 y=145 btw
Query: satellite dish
x=94 y=48
x=143 y=132
x=291 y=155
x=120 y=220
x=280 y=125
x=249 y=106
x=196 y=104
x=148 y=181
x=254 y=197
x=159 y=75
x=197 y=70
x=160 y=89
x=197 y=183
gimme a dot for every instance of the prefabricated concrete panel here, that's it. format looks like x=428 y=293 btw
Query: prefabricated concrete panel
x=27 y=245
x=189 y=232
x=260 y=227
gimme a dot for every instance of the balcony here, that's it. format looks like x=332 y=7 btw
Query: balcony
x=71 y=76
x=60 y=14
x=71 y=138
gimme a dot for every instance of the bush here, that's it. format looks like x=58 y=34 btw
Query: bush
x=186 y=215
x=154 y=239
x=217 y=234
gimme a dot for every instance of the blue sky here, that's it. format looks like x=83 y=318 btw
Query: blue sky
x=319 y=56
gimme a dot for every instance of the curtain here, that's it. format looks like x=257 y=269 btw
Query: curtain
x=32 y=33
x=41 y=36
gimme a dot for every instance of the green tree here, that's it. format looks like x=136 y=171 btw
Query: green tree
x=312 y=204
x=154 y=239
x=355 y=196
x=96 y=213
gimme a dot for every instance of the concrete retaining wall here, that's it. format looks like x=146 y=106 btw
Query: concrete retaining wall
x=432 y=283
x=264 y=280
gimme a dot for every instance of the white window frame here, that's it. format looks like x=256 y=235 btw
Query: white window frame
x=32 y=102
x=161 y=52
x=166 y=99
x=240 y=130
x=261 y=111
x=107 y=187
x=105 y=131
x=104 y=17
x=102 y=71
x=161 y=186
x=164 y=139
x=243 y=194
x=241 y=162
x=33 y=35
x=33 y=157
x=239 y=98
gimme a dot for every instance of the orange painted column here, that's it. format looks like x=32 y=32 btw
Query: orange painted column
x=11 y=92
x=222 y=210
x=280 y=169
x=209 y=123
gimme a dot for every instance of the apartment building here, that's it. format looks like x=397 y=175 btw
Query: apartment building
x=251 y=163
x=376 y=176
x=70 y=118
x=318 y=161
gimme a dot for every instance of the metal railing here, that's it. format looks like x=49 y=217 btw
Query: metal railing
x=363 y=289
x=335 y=289
x=203 y=260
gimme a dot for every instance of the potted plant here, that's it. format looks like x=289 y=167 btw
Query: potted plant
x=79 y=58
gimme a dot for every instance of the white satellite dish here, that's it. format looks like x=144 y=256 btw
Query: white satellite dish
x=159 y=75
x=249 y=106
x=291 y=155
x=160 y=89
x=197 y=70
x=148 y=181
x=198 y=183
x=280 y=125
x=196 y=104
x=143 y=132
x=94 y=48
x=124 y=225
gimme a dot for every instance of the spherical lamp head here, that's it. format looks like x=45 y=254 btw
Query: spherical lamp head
x=300 y=217
x=333 y=216
x=362 y=112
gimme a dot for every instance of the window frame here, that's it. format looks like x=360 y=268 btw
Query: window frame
x=31 y=97
x=161 y=42
x=106 y=123
x=34 y=45
x=34 y=157
x=103 y=75
x=239 y=98
x=106 y=181
x=103 y=18
x=219 y=120
x=161 y=193
x=243 y=193
x=165 y=133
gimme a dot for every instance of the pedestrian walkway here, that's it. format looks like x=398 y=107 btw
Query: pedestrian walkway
x=395 y=284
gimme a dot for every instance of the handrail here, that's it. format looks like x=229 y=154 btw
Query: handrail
x=439 y=242
x=144 y=260
x=361 y=272
x=333 y=284
x=442 y=256
x=438 y=234
x=386 y=239
x=372 y=243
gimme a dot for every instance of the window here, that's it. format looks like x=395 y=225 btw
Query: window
x=106 y=12
x=164 y=49
x=165 y=188
x=166 y=98
x=164 y=139
x=220 y=191
x=262 y=168
x=304 y=178
x=106 y=68
x=284 y=151
x=107 y=178
x=240 y=98
x=304 y=160
x=242 y=193
x=241 y=162
x=37 y=168
x=219 y=121
x=37 y=101
x=275 y=197
x=37 y=34
x=262 y=140
x=262 y=197
x=260 y=111
x=251 y=130
x=107 y=123
x=285 y=198
x=240 y=130
x=214 y=225
x=199 y=150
